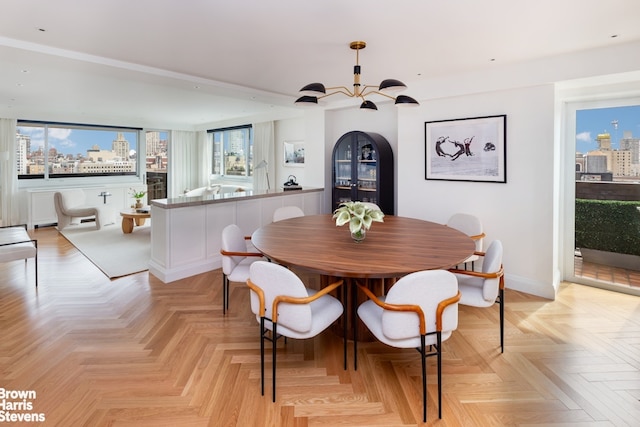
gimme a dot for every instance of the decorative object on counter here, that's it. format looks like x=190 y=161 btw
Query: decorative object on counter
x=291 y=184
x=138 y=195
x=359 y=216
x=314 y=91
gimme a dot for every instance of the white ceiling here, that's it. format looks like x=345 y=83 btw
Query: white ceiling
x=182 y=64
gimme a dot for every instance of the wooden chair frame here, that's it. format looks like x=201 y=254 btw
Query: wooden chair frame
x=274 y=321
x=442 y=305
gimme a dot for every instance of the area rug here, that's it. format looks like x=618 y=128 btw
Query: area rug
x=115 y=253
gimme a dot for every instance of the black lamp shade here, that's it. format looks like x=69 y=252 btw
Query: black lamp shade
x=307 y=100
x=404 y=100
x=368 y=105
x=392 y=85
x=313 y=89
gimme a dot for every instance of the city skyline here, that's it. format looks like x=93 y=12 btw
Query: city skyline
x=75 y=141
x=591 y=122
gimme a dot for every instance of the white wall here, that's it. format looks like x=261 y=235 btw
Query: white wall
x=519 y=213
x=288 y=130
x=524 y=213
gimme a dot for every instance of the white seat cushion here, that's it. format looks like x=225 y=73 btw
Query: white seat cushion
x=324 y=311
x=472 y=289
x=241 y=272
x=371 y=315
x=15 y=251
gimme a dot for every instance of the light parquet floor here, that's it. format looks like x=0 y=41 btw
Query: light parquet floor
x=137 y=352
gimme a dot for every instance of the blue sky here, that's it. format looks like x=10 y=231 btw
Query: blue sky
x=76 y=141
x=73 y=141
x=589 y=123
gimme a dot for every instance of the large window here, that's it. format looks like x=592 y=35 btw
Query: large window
x=61 y=150
x=233 y=151
x=157 y=162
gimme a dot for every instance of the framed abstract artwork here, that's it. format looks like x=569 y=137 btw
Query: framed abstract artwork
x=472 y=149
x=293 y=153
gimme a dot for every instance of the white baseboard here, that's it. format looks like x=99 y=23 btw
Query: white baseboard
x=184 y=271
x=528 y=286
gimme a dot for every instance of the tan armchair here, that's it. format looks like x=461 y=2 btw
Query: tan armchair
x=71 y=207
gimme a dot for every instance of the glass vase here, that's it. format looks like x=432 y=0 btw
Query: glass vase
x=358 y=236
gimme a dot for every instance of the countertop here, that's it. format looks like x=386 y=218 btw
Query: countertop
x=181 y=202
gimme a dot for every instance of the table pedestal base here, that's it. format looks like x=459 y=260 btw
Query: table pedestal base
x=354 y=299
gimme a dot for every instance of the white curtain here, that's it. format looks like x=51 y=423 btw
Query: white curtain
x=263 y=149
x=184 y=162
x=205 y=148
x=8 y=173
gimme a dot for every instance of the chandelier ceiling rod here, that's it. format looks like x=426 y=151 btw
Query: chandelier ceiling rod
x=314 y=91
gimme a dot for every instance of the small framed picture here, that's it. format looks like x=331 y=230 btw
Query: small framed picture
x=293 y=153
x=472 y=149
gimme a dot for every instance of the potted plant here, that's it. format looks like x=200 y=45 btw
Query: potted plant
x=359 y=216
x=138 y=195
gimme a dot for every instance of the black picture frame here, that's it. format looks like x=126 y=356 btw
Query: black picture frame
x=470 y=149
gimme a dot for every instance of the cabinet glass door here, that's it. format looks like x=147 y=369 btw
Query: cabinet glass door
x=367 y=164
x=343 y=171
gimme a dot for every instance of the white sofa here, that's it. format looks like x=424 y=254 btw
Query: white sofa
x=214 y=189
x=71 y=207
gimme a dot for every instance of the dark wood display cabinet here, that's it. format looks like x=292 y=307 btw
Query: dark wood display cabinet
x=363 y=170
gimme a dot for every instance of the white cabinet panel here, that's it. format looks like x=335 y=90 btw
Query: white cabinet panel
x=186 y=239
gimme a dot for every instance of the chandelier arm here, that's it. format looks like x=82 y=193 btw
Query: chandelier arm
x=338 y=89
x=377 y=92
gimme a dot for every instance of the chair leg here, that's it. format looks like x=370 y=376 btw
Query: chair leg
x=423 y=356
x=274 y=341
x=501 y=296
x=225 y=293
x=438 y=356
x=354 y=321
x=262 y=332
x=344 y=324
x=36 y=261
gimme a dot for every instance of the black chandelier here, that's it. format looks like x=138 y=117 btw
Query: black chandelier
x=314 y=91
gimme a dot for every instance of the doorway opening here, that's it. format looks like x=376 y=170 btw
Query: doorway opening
x=605 y=247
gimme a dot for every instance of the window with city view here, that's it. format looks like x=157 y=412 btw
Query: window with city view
x=233 y=151
x=53 y=150
x=607 y=194
x=607 y=144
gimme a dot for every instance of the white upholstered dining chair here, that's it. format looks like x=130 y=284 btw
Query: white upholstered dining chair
x=284 y=307
x=472 y=227
x=420 y=310
x=286 y=212
x=486 y=287
x=236 y=260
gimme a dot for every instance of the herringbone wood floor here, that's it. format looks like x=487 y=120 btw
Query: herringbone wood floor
x=135 y=351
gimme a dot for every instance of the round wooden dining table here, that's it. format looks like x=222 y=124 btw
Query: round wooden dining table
x=392 y=249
